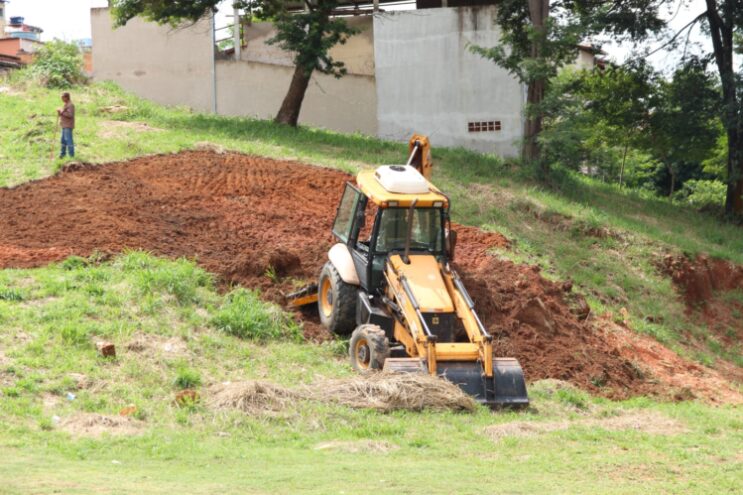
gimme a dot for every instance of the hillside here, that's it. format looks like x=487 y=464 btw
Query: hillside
x=643 y=301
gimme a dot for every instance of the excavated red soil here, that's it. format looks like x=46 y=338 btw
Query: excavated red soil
x=239 y=215
x=700 y=278
x=706 y=284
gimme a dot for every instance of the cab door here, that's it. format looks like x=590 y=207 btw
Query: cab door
x=348 y=222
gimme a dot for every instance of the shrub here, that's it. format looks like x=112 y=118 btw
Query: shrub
x=181 y=278
x=703 y=194
x=58 y=64
x=244 y=315
x=187 y=378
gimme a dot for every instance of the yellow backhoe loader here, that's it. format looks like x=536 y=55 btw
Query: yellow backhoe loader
x=389 y=284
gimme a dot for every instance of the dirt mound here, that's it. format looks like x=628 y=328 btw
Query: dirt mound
x=681 y=378
x=266 y=223
x=701 y=277
x=713 y=291
x=531 y=319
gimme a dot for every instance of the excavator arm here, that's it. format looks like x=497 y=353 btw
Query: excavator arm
x=428 y=299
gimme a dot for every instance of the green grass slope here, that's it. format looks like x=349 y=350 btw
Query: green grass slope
x=174 y=330
x=606 y=240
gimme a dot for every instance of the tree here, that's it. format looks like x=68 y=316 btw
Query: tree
x=534 y=46
x=604 y=118
x=58 y=64
x=540 y=36
x=724 y=19
x=725 y=22
x=308 y=34
x=681 y=119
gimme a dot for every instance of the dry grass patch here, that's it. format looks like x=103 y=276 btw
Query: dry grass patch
x=379 y=391
x=649 y=422
x=115 y=128
x=392 y=391
x=358 y=446
x=98 y=425
x=251 y=397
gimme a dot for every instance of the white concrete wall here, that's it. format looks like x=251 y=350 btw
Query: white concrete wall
x=428 y=82
x=257 y=89
x=409 y=71
x=357 y=53
x=174 y=67
x=160 y=63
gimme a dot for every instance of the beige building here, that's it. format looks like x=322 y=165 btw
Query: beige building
x=408 y=71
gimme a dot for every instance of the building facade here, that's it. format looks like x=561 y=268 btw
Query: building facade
x=408 y=71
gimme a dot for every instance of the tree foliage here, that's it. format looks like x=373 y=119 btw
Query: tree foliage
x=541 y=36
x=661 y=131
x=58 y=64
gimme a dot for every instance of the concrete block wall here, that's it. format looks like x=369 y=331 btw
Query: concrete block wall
x=409 y=71
x=428 y=81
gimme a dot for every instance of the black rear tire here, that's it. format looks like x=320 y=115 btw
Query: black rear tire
x=369 y=348
x=336 y=301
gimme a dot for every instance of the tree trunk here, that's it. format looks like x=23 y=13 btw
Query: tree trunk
x=292 y=104
x=624 y=160
x=721 y=32
x=533 y=122
x=538 y=13
x=673 y=181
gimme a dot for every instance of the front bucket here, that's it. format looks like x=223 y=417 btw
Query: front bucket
x=507 y=387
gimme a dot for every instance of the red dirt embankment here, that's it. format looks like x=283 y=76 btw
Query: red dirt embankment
x=239 y=215
x=708 y=286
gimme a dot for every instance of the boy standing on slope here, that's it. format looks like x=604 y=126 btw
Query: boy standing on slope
x=67 y=120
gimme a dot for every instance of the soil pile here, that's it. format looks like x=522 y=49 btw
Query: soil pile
x=245 y=218
x=708 y=286
x=700 y=278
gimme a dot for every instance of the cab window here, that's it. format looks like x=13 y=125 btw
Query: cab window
x=346 y=213
x=426 y=234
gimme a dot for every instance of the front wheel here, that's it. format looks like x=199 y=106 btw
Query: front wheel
x=336 y=301
x=369 y=348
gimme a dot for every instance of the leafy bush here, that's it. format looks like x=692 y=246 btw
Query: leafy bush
x=187 y=378
x=244 y=315
x=703 y=194
x=58 y=64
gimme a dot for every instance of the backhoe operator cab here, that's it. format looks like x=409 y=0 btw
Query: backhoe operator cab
x=391 y=211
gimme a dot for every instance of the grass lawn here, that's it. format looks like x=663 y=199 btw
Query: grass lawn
x=167 y=321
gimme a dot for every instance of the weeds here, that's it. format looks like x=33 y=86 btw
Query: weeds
x=187 y=378
x=244 y=315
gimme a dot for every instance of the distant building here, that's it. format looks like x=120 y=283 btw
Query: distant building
x=18 y=40
x=3 y=23
x=17 y=28
x=21 y=48
x=408 y=71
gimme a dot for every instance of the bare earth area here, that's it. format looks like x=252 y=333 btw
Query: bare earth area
x=240 y=216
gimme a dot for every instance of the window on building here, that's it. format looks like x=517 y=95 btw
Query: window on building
x=484 y=126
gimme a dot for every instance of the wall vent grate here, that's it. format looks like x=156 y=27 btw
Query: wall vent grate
x=484 y=126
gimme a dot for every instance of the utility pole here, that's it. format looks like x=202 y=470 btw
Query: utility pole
x=237 y=34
